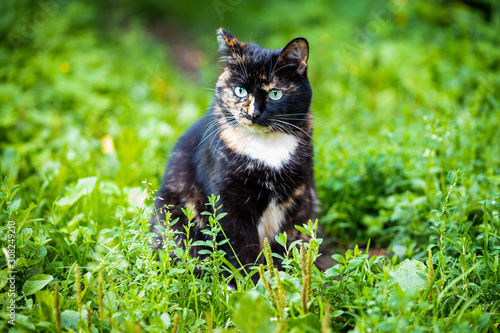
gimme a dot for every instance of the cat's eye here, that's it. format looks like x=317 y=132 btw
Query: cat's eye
x=275 y=94
x=240 y=92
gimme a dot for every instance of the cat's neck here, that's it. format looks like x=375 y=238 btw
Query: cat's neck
x=270 y=148
x=273 y=149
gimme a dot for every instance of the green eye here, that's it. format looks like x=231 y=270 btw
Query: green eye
x=275 y=94
x=240 y=92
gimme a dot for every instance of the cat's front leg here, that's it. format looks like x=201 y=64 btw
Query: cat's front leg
x=242 y=251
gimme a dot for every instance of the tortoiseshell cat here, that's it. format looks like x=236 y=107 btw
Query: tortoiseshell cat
x=253 y=148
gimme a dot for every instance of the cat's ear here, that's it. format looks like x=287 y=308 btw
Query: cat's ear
x=295 y=54
x=229 y=45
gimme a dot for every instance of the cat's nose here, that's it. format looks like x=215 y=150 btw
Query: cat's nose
x=254 y=112
x=256 y=116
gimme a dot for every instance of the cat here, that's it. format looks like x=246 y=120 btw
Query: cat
x=253 y=148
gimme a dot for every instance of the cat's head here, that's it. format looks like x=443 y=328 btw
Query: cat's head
x=264 y=90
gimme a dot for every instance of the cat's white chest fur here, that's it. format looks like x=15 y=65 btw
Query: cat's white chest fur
x=273 y=149
x=270 y=222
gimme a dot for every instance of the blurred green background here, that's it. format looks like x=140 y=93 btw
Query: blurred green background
x=404 y=91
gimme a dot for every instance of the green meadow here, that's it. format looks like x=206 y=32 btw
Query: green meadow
x=406 y=102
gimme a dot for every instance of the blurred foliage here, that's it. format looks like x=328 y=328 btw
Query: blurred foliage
x=94 y=94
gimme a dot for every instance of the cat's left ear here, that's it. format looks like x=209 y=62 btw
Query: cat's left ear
x=295 y=54
x=229 y=45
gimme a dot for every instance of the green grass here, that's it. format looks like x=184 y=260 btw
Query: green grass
x=407 y=161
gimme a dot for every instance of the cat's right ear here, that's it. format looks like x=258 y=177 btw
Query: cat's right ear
x=295 y=54
x=229 y=45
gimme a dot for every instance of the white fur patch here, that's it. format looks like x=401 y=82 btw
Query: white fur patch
x=222 y=43
x=273 y=149
x=251 y=109
x=270 y=222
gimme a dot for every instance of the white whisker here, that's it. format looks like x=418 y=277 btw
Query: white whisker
x=295 y=126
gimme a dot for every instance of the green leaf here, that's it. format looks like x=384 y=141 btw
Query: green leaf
x=176 y=271
x=451 y=178
x=251 y=313
x=42 y=252
x=70 y=318
x=430 y=246
x=410 y=275
x=35 y=283
x=338 y=258
x=301 y=229
x=110 y=300
x=202 y=243
x=45 y=301
x=85 y=186
x=160 y=228
x=222 y=242
x=336 y=313
x=281 y=239
x=15 y=204
x=354 y=263
x=22 y=262
x=165 y=318
x=305 y=323
x=220 y=216
x=462 y=259
x=333 y=271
